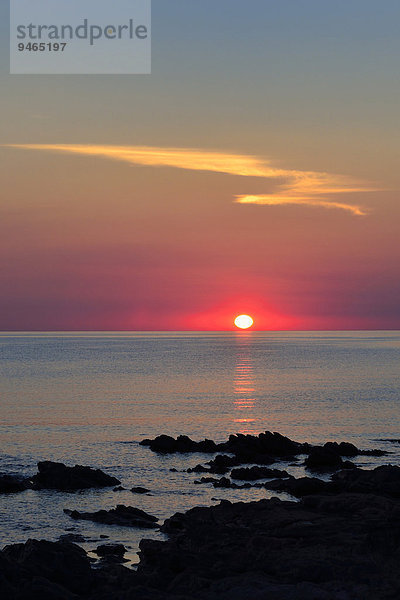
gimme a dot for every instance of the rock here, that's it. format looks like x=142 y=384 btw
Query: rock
x=10 y=484
x=244 y=446
x=303 y=486
x=253 y=473
x=167 y=444
x=127 y=516
x=265 y=444
x=206 y=480
x=55 y=563
x=199 y=469
x=374 y=452
x=384 y=480
x=262 y=449
x=323 y=459
x=110 y=550
x=58 y=476
x=222 y=463
x=139 y=490
x=342 y=449
x=223 y=482
x=119 y=488
x=323 y=548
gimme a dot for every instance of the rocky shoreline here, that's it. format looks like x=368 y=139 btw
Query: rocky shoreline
x=339 y=541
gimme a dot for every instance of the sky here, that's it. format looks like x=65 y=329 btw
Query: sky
x=254 y=171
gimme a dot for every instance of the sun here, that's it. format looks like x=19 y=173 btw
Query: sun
x=243 y=321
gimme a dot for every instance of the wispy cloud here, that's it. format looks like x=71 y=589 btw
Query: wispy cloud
x=282 y=200
x=309 y=188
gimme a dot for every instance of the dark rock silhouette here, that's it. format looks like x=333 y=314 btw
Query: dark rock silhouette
x=302 y=486
x=111 y=552
x=57 y=476
x=128 y=516
x=384 y=480
x=13 y=483
x=339 y=542
x=168 y=445
x=105 y=549
x=325 y=547
x=139 y=490
x=253 y=473
x=262 y=449
x=342 y=449
x=42 y=566
x=323 y=459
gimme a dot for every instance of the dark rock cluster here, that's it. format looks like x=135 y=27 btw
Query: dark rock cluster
x=341 y=541
x=342 y=546
x=262 y=449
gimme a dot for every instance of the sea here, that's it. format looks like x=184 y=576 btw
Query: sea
x=90 y=397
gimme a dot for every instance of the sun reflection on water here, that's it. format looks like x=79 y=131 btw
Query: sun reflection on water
x=244 y=387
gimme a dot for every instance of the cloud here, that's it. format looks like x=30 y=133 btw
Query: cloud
x=309 y=188
x=282 y=200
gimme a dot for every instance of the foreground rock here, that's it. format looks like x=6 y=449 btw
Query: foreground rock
x=325 y=548
x=128 y=516
x=57 y=476
x=340 y=546
x=384 y=480
x=44 y=570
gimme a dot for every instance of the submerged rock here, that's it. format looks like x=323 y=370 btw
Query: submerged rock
x=57 y=476
x=127 y=516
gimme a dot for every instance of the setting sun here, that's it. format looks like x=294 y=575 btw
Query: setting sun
x=243 y=321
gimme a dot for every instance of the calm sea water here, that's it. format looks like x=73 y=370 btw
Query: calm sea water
x=89 y=398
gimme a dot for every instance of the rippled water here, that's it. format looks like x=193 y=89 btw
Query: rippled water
x=89 y=398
